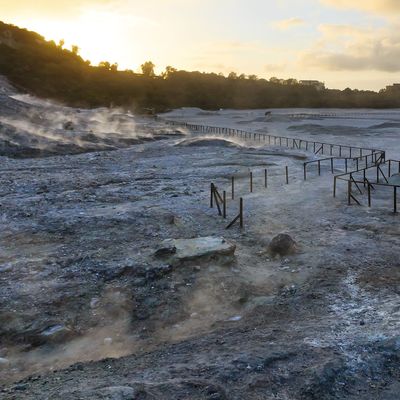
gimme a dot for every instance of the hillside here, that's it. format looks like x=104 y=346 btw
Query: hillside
x=47 y=70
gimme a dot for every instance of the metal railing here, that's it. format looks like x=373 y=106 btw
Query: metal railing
x=361 y=179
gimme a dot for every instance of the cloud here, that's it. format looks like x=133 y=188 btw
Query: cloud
x=286 y=24
x=347 y=48
x=374 y=6
x=47 y=7
x=275 y=67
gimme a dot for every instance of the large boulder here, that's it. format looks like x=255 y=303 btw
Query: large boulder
x=282 y=245
x=192 y=249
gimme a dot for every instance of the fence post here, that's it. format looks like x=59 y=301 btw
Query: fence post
x=224 y=204
x=319 y=167
x=369 y=195
x=332 y=165
x=287 y=175
x=395 y=199
x=233 y=188
x=212 y=196
x=349 y=192
x=241 y=212
x=334 y=186
x=305 y=171
x=251 y=182
x=265 y=178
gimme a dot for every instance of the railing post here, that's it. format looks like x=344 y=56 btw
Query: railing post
x=334 y=186
x=305 y=171
x=265 y=178
x=241 y=212
x=233 y=187
x=287 y=175
x=212 y=196
x=251 y=182
x=369 y=195
x=349 y=192
x=224 y=204
x=395 y=199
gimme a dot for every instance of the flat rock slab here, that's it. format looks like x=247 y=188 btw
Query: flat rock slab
x=192 y=249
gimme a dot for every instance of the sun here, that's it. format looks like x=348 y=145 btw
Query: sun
x=100 y=36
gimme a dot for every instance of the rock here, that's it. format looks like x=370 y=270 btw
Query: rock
x=21 y=386
x=4 y=362
x=119 y=393
x=166 y=250
x=68 y=125
x=94 y=303
x=6 y=267
x=193 y=249
x=282 y=245
x=56 y=333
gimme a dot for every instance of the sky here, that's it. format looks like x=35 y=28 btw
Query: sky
x=344 y=43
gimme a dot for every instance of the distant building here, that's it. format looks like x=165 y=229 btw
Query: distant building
x=317 y=84
x=394 y=87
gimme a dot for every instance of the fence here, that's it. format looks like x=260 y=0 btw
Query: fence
x=333 y=150
x=348 y=164
x=370 y=179
x=220 y=201
x=351 y=159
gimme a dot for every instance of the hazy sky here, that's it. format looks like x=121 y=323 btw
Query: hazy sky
x=346 y=43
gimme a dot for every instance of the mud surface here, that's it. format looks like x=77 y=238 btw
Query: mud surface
x=88 y=312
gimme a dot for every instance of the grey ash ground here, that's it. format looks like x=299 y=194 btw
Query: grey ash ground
x=88 y=312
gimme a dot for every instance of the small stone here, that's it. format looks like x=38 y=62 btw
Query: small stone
x=235 y=318
x=4 y=362
x=56 y=333
x=166 y=250
x=108 y=341
x=120 y=392
x=21 y=386
x=282 y=245
x=94 y=302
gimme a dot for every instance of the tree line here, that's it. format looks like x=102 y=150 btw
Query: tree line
x=48 y=70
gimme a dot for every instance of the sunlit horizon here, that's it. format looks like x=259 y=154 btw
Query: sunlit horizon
x=344 y=44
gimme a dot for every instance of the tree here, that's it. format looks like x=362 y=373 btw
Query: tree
x=109 y=67
x=61 y=43
x=75 y=49
x=232 y=75
x=148 y=69
x=168 y=72
x=291 y=81
x=105 y=65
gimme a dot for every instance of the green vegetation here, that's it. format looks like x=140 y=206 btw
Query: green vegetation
x=48 y=70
